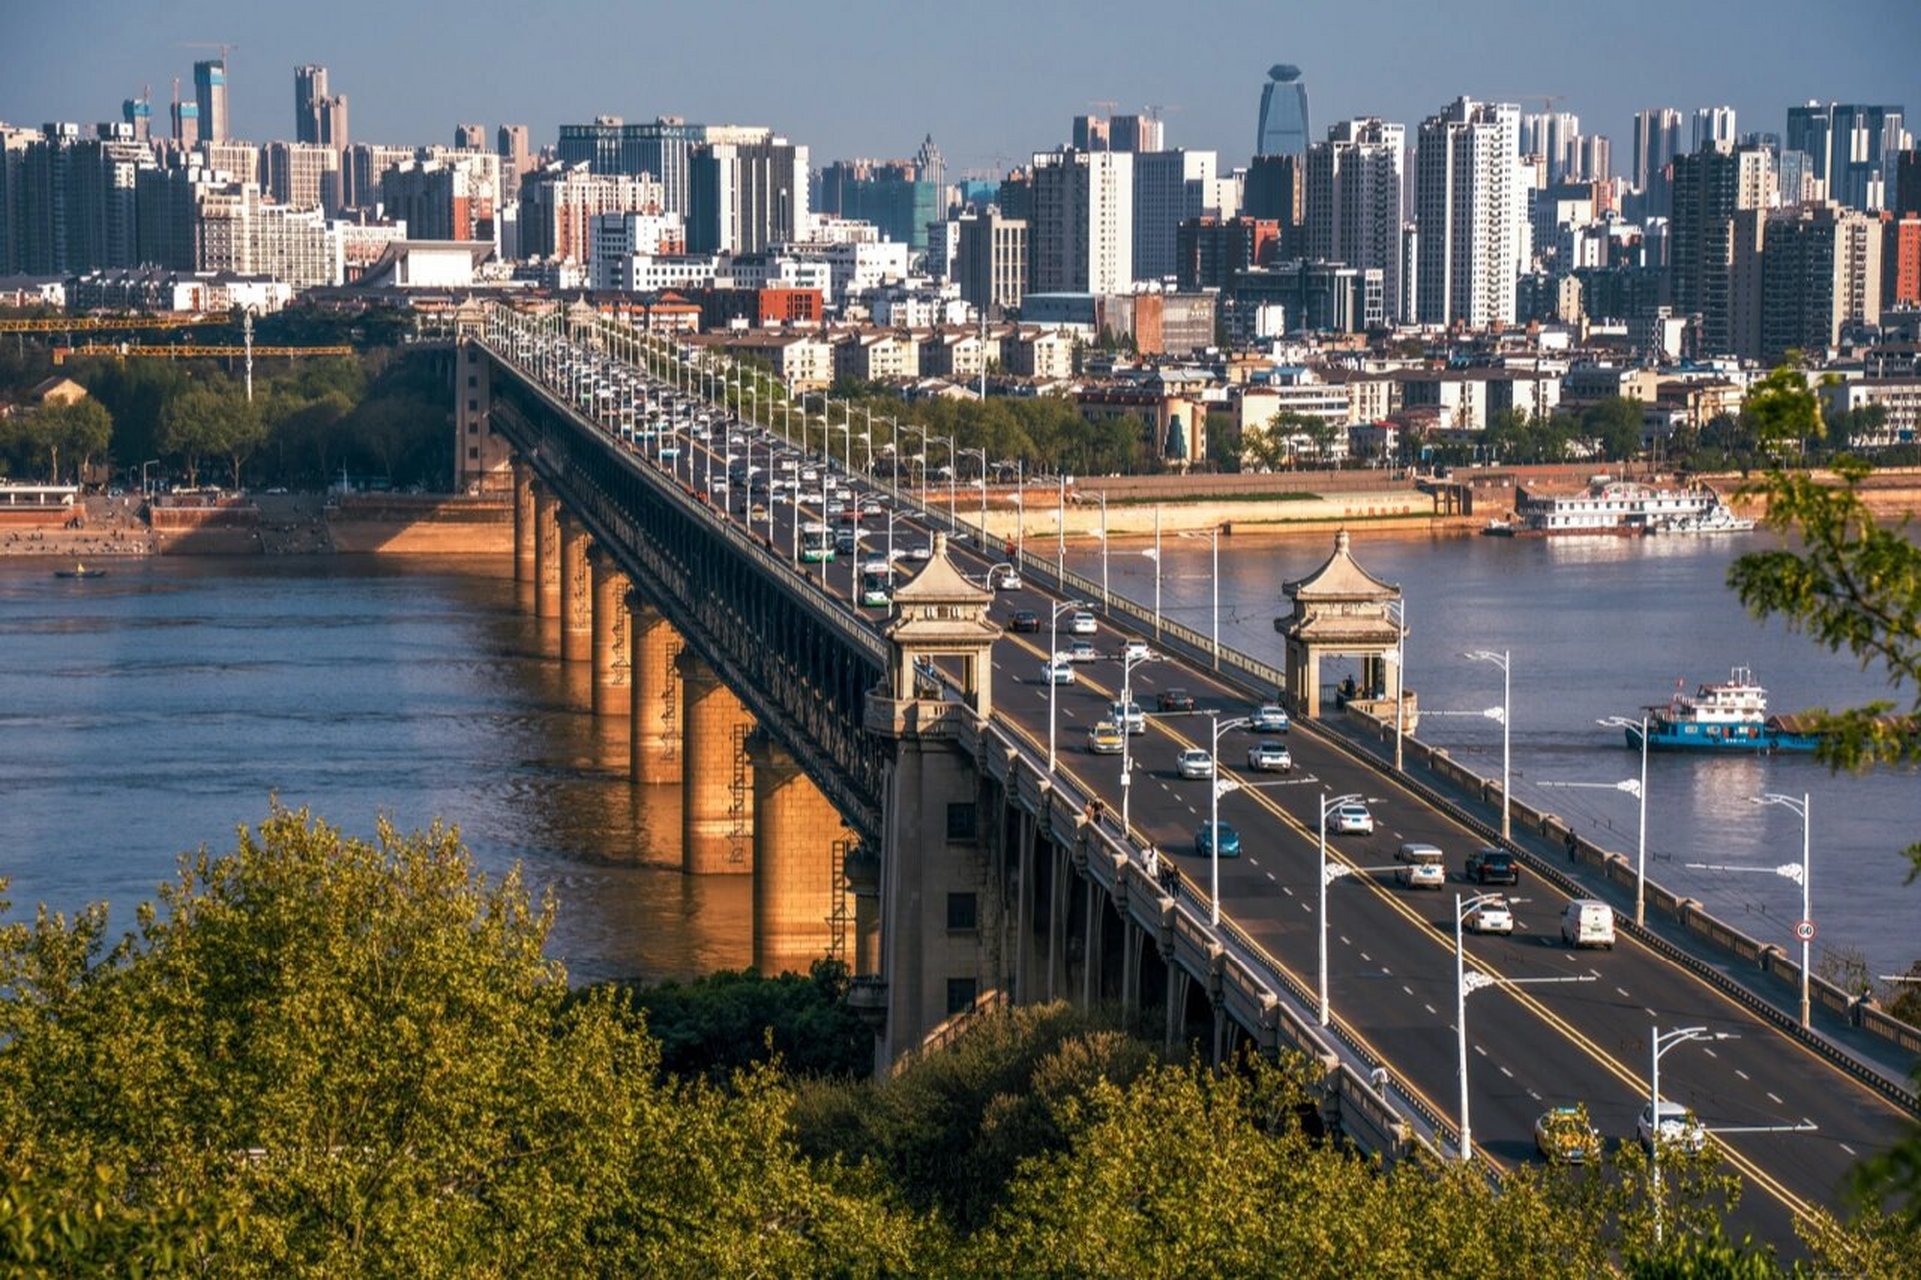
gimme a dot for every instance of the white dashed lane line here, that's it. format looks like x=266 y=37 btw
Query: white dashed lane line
x=1845 y=1147
x=1741 y=1073
x=1507 y=1073
x=1623 y=992
x=1478 y=1049
x=1432 y=1010
x=1775 y=1099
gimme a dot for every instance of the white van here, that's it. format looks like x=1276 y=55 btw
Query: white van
x=1588 y=923
x=1421 y=866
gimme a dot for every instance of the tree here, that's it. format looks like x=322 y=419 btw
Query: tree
x=212 y=419
x=1782 y=410
x=1615 y=422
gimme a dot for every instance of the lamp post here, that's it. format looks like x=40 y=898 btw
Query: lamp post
x=1104 y=594
x=983 y=525
x=1060 y=536
x=1660 y=1043
x=1501 y=660
x=1053 y=657
x=1215 y=785
x=1157 y=571
x=1328 y=804
x=1128 y=661
x=1400 y=681
x=1638 y=789
x=1214 y=540
x=1802 y=873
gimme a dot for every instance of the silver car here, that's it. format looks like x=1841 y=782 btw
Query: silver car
x=1195 y=763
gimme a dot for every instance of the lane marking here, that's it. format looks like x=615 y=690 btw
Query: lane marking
x=1432 y=1010
x=1741 y=1073
x=1506 y=1072
x=1775 y=1098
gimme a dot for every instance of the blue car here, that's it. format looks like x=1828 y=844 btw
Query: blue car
x=1230 y=841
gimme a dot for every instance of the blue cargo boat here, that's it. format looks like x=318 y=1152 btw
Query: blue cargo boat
x=1730 y=715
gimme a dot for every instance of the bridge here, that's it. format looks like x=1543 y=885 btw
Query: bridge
x=910 y=793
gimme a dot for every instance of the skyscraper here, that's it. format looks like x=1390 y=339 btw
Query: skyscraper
x=1353 y=200
x=1283 y=124
x=1866 y=140
x=470 y=137
x=1082 y=230
x=1168 y=187
x=744 y=197
x=1821 y=273
x=318 y=116
x=1712 y=125
x=1136 y=133
x=1657 y=140
x=1471 y=208
x=210 y=92
x=1712 y=188
x=138 y=113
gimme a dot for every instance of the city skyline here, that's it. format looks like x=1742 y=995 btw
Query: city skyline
x=436 y=67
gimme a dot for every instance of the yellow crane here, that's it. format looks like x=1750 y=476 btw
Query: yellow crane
x=80 y=324
x=189 y=351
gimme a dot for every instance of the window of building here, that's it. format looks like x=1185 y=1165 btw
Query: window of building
x=473 y=406
x=960 y=994
x=963 y=912
x=962 y=824
x=473 y=380
x=473 y=453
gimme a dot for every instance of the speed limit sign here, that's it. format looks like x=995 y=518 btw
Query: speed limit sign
x=1804 y=930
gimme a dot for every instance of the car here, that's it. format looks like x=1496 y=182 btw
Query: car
x=1490 y=915
x=1130 y=716
x=1104 y=739
x=1135 y=651
x=1588 y=922
x=1351 y=820
x=920 y=553
x=1024 y=620
x=1083 y=651
x=1677 y=1126
x=1270 y=757
x=1563 y=1136
x=1488 y=865
x=1422 y=866
x=1195 y=763
x=1059 y=671
x=1083 y=624
x=1230 y=840
x=1176 y=699
x=1004 y=577
x=1269 y=718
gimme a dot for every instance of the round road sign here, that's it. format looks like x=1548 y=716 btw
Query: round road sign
x=1804 y=930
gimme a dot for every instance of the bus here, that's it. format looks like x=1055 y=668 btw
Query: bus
x=876 y=584
x=816 y=542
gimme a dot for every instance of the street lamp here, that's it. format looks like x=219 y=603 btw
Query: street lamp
x=1053 y=657
x=1506 y=718
x=1638 y=789
x=1802 y=873
x=1660 y=1044
x=1215 y=786
x=1400 y=679
x=1128 y=661
x=983 y=526
x=1328 y=804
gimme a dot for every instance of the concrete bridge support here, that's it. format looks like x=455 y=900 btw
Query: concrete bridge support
x=656 y=703
x=797 y=874
x=1130 y=973
x=523 y=521
x=717 y=806
x=576 y=592
x=546 y=553
x=613 y=652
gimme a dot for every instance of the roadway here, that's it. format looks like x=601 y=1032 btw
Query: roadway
x=1532 y=1043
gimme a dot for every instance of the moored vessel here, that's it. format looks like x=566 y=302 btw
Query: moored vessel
x=1725 y=715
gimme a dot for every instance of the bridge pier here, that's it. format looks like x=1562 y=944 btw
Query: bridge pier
x=1178 y=981
x=576 y=592
x=863 y=868
x=797 y=878
x=1130 y=973
x=1023 y=907
x=546 y=553
x=717 y=808
x=523 y=521
x=612 y=652
x=655 y=688
x=1091 y=948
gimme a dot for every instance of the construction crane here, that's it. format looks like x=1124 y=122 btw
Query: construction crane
x=1547 y=100
x=206 y=44
x=188 y=351
x=77 y=324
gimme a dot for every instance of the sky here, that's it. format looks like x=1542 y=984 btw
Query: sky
x=991 y=80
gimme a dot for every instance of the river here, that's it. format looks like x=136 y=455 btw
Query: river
x=151 y=711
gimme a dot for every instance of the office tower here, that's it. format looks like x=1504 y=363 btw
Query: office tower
x=1283 y=124
x=1135 y=133
x=309 y=90
x=210 y=92
x=1168 y=187
x=1082 y=230
x=1712 y=125
x=138 y=114
x=558 y=205
x=1091 y=133
x=1657 y=140
x=1353 y=200
x=470 y=137
x=1710 y=188
x=1471 y=207
x=1811 y=132
x=1820 y=274
x=745 y=197
x=595 y=145
x=303 y=175
x=1275 y=190
x=933 y=168
x=990 y=262
x=1866 y=143
x=890 y=194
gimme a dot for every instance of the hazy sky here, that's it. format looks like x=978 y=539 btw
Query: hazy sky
x=988 y=78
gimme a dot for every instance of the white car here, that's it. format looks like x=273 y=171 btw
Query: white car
x=1351 y=820
x=1059 y=671
x=1135 y=651
x=1677 y=1125
x=1131 y=716
x=1083 y=624
x=1195 y=763
x=1271 y=718
x=920 y=553
x=1422 y=866
x=1004 y=578
x=1270 y=757
x=1491 y=916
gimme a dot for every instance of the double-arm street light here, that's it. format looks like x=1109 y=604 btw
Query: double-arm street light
x=1053 y=673
x=982 y=453
x=1802 y=873
x=1661 y=1043
x=1501 y=660
x=1128 y=662
x=1215 y=786
x=1329 y=874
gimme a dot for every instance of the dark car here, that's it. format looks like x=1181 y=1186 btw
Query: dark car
x=1024 y=620
x=1174 y=700
x=1493 y=866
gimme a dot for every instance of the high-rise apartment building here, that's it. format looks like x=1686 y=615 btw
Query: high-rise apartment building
x=513 y=146
x=304 y=175
x=1168 y=189
x=137 y=114
x=1091 y=133
x=319 y=117
x=1471 y=207
x=1555 y=136
x=210 y=92
x=558 y=205
x=1082 y=231
x=1210 y=250
x=362 y=168
x=745 y=197
x=1907 y=182
x=1353 y=212
x=895 y=195
x=1710 y=188
x=183 y=117
x=1136 y=133
x=595 y=145
x=1283 y=126
x=990 y=261
x=470 y=137
x=1865 y=145
x=1821 y=273
x=1712 y=126
x=662 y=147
x=452 y=195
x=1657 y=140
x=1275 y=190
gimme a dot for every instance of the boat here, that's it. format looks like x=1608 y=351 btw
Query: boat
x=1727 y=715
x=1613 y=508
x=79 y=571
x=1498 y=529
x=1716 y=519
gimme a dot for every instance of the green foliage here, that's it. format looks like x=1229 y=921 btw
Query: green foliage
x=213 y=419
x=1783 y=410
x=727 y=1022
x=1615 y=424
x=78 y=432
